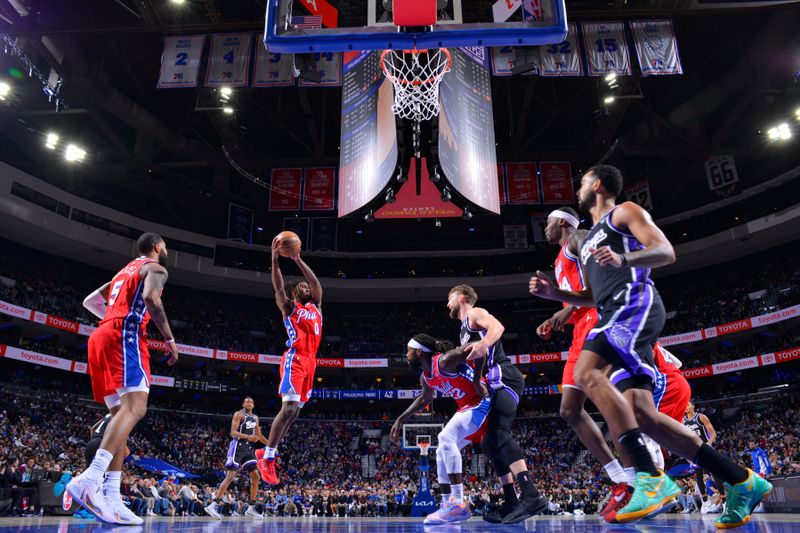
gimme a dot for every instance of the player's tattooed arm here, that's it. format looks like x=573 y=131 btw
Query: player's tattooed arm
x=155 y=277
x=313 y=283
x=658 y=251
x=281 y=299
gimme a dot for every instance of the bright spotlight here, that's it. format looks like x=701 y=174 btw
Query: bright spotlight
x=608 y=100
x=226 y=91
x=51 y=141
x=228 y=110
x=611 y=76
x=73 y=153
x=179 y=2
x=4 y=90
x=784 y=133
x=772 y=134
x=797 y=113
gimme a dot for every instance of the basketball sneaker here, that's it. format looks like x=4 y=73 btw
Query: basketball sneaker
x=212 y=510
x=651 y=496
x=122 y=515
x=266 y=467
x=449 y=512
x=742 y=499
x=89 y=493
x=497 y=516
x=251 y=511
x=527 y=507
x=620 y=496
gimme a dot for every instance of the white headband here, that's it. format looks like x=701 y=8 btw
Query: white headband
x=563 y=215
x=414 y=344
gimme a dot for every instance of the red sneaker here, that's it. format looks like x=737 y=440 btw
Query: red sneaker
x=266 y=468
x=620 y=496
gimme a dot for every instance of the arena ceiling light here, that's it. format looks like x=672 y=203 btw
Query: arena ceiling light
x=608 y=100
x=51 y=141
x=797 y=113
x=228 y=110
x=178 y=2
x=74 y=153
x=781 y=132
x=5 y=90
x=226 y=91
x=610 y=77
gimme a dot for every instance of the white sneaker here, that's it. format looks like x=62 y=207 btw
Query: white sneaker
x=705 y=507
x=150 y=512
x=89 y=494
x=122 y=515
x=212 y=510
x=251 y=511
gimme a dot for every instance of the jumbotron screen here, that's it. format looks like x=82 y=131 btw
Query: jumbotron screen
x=369 y=135
x=466 y=128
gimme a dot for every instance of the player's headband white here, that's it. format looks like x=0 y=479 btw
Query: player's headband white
x=414 y=344
x=563 y=215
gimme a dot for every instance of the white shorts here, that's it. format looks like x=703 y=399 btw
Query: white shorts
x=468 y=425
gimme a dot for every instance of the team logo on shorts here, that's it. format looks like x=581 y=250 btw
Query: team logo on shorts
x=620 y=335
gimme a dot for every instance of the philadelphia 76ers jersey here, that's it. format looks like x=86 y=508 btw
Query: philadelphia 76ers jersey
x=125 y=300
x=570 y=278
x=304 y=327
x=457 y=386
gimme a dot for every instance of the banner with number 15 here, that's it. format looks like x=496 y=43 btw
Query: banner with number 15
x=180 y=61
x=229 y=59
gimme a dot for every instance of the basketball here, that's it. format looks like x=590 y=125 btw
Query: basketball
x=290 y=243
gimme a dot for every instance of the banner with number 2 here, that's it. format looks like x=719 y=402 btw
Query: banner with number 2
x=180 y=61
x=229 y=59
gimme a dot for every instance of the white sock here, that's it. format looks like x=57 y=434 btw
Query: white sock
x=111 y=484
x=270 y=452
x=615 y=471
x=458 y=492
x=99 y=465
x=630 y=475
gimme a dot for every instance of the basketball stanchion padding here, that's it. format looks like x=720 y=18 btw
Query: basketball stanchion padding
x=413 y=13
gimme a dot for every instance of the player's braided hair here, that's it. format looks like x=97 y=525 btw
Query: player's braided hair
x=433 y=344
x=291 y=286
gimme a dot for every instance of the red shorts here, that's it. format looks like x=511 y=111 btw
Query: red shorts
x=579 y=333
x=297 y=377
x=116 y=365
x=676 y=396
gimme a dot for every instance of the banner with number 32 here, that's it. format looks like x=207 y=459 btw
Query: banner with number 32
x=229 y=59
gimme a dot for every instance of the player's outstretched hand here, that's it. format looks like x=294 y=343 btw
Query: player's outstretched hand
x=542 y=286
x=173 y=353
x=276 y=244
x=394 y=433
x=544 y=330
x=605 y=257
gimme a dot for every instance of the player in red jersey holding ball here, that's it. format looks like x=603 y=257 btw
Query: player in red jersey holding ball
x=300 y=303
x=119 y=366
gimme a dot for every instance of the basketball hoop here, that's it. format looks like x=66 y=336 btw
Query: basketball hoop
x=415 y=75
x=423 y=448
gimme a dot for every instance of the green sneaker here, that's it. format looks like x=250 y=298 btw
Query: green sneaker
x=650 y=495
x=741 y=499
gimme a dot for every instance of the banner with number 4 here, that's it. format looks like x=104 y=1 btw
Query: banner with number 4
x=180 y=61
x=229 y=59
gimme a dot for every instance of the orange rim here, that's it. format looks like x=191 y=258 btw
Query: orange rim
x=394 y=78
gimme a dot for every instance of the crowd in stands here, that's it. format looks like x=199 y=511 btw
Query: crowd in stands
x=321 y=460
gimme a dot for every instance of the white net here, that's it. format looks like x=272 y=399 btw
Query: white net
x=415 y=75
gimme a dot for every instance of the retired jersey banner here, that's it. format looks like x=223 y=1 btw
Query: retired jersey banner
x=561 y=59
x=538 y=223
x=272 y=70
x=284 y=193
x=557 y=183
x=229 y=59
x=329 y=68
x=606 y=48
x=505 y=58
x=180 y=61
x=523 y=187
x=318 y=184
x=639 y=193
x=656 y=47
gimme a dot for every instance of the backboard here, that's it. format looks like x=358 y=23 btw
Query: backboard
x=292 y=26
x=413 y=434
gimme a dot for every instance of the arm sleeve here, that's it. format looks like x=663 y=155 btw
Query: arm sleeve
x=95 y=304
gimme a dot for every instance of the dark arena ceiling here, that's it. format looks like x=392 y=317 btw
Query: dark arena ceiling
x=158 y=154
